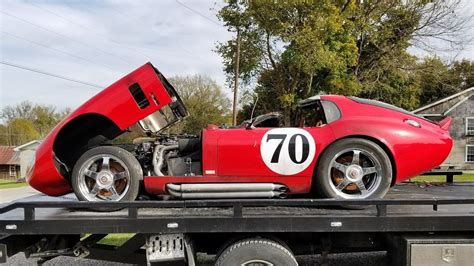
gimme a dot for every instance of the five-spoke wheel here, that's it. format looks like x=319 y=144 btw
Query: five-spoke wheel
x=355 y=173
x=354 y=169
x=106 y=173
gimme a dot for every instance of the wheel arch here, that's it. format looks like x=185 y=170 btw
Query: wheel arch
x=79 y=135
x=370 y=138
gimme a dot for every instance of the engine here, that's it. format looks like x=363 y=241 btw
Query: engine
x=169 y=155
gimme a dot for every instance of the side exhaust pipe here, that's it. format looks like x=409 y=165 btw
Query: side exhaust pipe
x=228 y=195
x=227 y=187
x=227 y=190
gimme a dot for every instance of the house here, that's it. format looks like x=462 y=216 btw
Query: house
x=9 y=163
x=460 y=107
x=26 y=155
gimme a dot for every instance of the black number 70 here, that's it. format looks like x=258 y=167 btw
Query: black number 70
x=291 y=147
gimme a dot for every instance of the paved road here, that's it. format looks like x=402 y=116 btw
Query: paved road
x=11 y=194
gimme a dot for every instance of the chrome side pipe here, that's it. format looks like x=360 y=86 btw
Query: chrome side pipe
x=227 y=187
x=228 y=195
x=227 y=190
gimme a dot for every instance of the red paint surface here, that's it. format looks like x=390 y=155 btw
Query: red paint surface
x=114 y=102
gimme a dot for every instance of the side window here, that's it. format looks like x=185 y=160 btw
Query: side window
x=331 y=111
x=311 y=115
x=469 y=153
x=470 y=126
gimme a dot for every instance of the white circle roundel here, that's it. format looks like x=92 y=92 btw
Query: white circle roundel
x=287 y=151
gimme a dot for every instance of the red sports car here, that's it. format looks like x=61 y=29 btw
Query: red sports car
x=338 y=147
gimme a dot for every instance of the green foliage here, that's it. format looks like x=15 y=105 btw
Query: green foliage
x=439 y=80
x=204 y=100
x=250 y=43
x=20 y=130
x=296 y=49
x=25 y=122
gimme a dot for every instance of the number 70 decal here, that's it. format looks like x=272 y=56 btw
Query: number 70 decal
x=287 y=151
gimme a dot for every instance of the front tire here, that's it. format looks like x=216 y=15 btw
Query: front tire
x=106 y=173
x=354 y=168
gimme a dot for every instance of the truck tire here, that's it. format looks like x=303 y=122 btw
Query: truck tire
x=353 y=168
x=256 y=250
x=106 y=173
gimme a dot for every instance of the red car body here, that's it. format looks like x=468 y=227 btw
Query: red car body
x=235 y=155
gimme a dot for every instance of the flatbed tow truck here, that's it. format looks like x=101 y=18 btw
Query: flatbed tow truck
x=416 y=224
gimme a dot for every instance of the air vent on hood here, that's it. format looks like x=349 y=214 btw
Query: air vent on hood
x=139 y=95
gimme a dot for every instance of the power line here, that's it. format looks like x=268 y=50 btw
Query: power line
x=140 y=24
x=64 y=36
x=197 y=12
x=50 y=74
x=60 y=16
x=56 y=50
x=133 y=49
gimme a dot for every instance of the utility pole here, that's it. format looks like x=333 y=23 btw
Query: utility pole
x=236 y=80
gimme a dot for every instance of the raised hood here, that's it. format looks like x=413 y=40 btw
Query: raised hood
x=167 y=115
x=143 y=97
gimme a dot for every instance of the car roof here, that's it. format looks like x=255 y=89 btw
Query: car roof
x=319 y=97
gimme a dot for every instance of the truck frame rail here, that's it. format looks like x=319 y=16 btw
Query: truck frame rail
x=248 y=215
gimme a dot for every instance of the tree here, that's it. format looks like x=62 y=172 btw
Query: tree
x=439 y=80
x=205 y=101
x=20 y=131
x=241 y=58
x=27 y=121
x=463 y=74
x=22 y=110
x=342 y=47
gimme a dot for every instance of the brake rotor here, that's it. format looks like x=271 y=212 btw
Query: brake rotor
x=119 y=185
x=337 y=176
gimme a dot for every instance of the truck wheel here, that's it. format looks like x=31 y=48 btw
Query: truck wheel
x=256 y=251
x=106 y=173
x=354 y=168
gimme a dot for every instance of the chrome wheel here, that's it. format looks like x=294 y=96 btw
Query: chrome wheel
x=355 y=173
x=104 y=177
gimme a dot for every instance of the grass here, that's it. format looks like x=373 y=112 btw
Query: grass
x=457 y=178
x=11 y=184
x=113 y=239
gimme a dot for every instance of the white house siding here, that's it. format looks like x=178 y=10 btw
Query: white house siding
x=27 y=155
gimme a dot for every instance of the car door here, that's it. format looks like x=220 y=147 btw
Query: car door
x=266 y=152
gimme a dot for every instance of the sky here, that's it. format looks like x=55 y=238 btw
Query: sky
x=99 y=41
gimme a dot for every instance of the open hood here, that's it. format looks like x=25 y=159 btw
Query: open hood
x=167 y=115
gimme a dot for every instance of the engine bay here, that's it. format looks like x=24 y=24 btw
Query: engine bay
x=169 y=155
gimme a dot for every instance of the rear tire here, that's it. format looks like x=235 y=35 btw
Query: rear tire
x=354 y=168
x=256 y=250
x=106 y=173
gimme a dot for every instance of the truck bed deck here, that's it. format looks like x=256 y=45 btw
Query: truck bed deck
x=408 y=207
